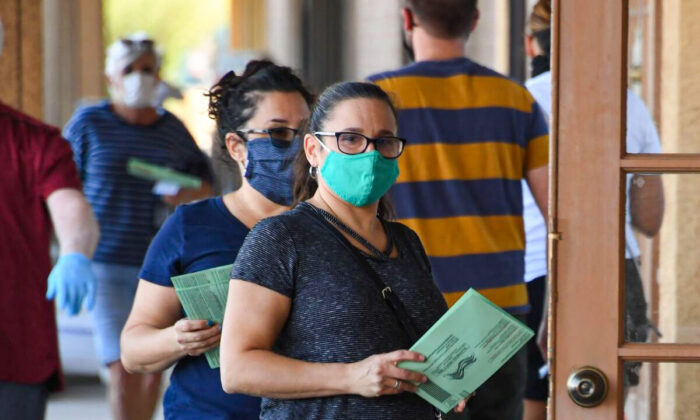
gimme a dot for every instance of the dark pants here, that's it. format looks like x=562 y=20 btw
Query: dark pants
x=501 y=396
x=536 y=388
x=636 y=321
x=23 y=401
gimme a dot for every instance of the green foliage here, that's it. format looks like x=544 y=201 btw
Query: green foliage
x=175 y=25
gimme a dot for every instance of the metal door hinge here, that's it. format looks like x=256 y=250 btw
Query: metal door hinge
x=554 y=236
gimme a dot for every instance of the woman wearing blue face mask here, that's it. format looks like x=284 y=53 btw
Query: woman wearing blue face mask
x=258 y=115
x=326 y=297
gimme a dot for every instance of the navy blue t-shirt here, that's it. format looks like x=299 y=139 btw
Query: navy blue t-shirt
x=196 y=237
x=125 y=206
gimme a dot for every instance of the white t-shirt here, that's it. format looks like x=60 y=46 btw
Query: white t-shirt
x=642 y=137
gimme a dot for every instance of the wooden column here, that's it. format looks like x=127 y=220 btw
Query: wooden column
x=248 y=30
x=283 y=22
x=21 y=60
x=73 y=56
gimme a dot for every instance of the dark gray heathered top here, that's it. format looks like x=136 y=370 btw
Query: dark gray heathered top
x=337 y=314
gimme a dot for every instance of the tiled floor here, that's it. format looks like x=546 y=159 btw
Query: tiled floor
x=83 y=399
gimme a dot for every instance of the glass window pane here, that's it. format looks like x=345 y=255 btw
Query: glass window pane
x=665 y=391
x=663 y=76
x=662 y=258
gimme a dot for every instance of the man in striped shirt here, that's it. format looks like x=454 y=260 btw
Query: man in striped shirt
x=473 y=135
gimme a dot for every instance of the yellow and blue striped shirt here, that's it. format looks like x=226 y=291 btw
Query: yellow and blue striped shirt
x=472 y=135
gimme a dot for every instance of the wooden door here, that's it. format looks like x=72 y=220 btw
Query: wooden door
x=589 y=168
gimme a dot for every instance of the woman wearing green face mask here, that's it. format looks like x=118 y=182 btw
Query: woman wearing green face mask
x=325 y=298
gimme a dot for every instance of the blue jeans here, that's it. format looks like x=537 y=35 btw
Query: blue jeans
x=501 y=396
x=116 y=288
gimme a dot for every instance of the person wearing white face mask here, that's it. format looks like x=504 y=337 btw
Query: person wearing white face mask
x=104 y=137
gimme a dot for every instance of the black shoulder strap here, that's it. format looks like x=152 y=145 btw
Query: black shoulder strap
x=420 y=258
x=389 y=297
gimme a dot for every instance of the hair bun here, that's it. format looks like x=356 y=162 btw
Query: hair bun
x=219 y=92
x=255 y=66
x=228 y=84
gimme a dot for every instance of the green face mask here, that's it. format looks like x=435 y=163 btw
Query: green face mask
x=359 y=179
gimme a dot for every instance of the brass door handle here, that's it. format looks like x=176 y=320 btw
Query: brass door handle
x=587 y=386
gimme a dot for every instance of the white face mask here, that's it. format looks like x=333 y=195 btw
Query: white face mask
x=137 y=90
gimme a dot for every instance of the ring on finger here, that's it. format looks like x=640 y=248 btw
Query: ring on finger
x=396 y=384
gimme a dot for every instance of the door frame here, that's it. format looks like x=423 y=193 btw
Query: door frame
x=586 y=214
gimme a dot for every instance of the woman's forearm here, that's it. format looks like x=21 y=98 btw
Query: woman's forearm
x=146 y=349
x=265 y=373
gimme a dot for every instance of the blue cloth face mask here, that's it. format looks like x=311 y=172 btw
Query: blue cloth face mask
x=359 y=179
x=269 y=168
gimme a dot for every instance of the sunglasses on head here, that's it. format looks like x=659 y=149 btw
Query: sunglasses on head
x=143 y=43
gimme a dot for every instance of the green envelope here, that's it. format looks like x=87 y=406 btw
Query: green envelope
x=467 y=345
x=203 y=295
x=146 y=170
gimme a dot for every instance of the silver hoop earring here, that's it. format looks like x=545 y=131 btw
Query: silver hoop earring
x=312 y=172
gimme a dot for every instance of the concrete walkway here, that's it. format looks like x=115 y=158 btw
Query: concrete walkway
x=84 y=398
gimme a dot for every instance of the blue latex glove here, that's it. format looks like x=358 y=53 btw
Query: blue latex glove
x=70 y=281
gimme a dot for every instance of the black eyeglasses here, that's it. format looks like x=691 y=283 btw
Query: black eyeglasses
x=280 y=136
x=351 y=143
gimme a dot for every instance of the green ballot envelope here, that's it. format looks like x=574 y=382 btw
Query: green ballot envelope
x=203 y=295
x=467 y=345
x=142 y=169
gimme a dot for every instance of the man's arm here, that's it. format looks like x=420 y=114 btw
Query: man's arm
x=647 y=203
x=74 y=223
x=187 y=195
x=538 y=181
x=71 y=279
x=646 y=193
x=198 y=164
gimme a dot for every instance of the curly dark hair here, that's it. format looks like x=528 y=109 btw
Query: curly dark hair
x=233 y=99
